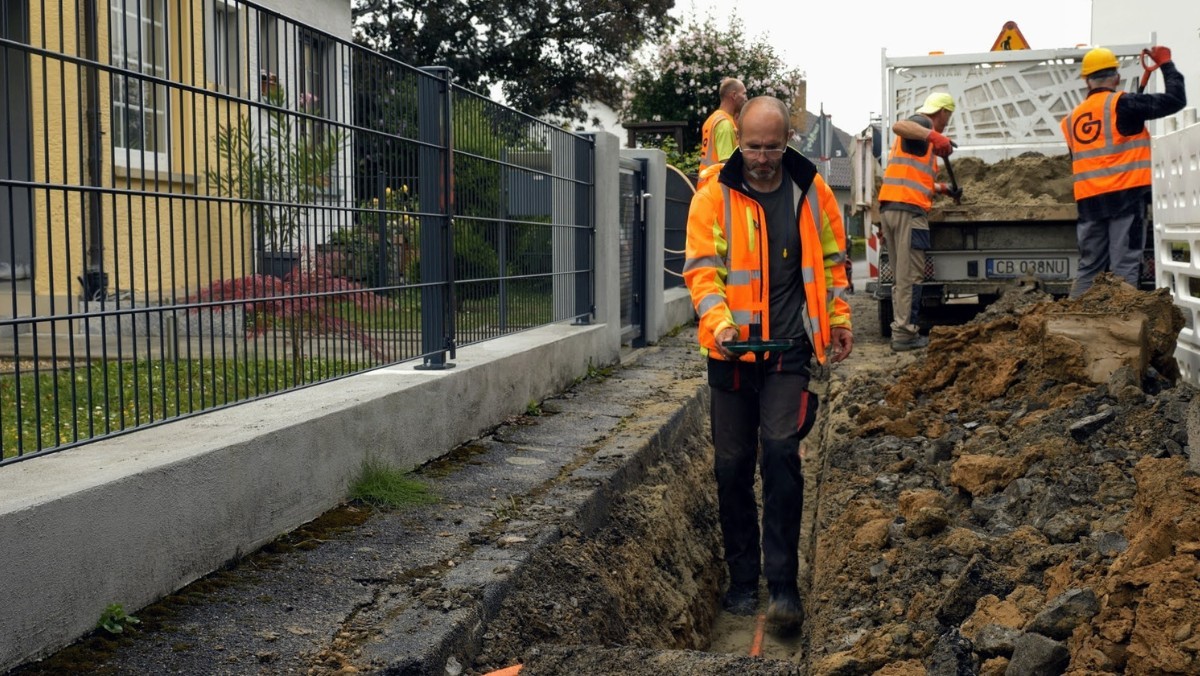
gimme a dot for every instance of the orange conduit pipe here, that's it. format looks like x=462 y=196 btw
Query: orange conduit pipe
x=506 y=671
x=756 y=645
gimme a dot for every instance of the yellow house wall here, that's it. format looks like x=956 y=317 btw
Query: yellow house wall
x=160 y=245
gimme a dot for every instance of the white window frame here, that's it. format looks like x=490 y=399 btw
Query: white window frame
x=267 y=52
x=226 y=55
x=132 y=58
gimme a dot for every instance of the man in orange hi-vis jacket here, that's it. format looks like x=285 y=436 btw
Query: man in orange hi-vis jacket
x=766 y=266
x=1110 y=157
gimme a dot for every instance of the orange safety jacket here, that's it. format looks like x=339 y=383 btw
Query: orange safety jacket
x=1102 y=158
x=708 y=141
x=726 y=264
x=909 y=178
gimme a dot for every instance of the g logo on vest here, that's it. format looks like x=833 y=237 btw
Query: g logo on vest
x=1086 y=128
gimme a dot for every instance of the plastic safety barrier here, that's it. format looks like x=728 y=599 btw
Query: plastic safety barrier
x=1176 y=171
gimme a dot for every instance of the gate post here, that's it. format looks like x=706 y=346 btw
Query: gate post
x=436 y=198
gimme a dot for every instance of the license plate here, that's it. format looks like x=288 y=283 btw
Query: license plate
x=1042 y=268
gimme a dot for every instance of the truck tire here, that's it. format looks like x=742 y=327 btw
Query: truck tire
x=885 y=317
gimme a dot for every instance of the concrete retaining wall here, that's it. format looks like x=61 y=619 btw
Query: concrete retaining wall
x=130 y=519
x=133 y=518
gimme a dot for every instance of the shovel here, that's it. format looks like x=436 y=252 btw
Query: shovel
x=955 y=191
x=1147 y=70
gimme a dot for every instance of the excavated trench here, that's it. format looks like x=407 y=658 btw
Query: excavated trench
x=640 y=595
x=987 y=506
x=983 y=506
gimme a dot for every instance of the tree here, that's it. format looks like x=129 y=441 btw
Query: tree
x=548 y=57
x=680 y=80
x=279 y=172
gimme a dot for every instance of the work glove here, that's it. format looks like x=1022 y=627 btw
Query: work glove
x=941 y=145
x=945 y=189
x=1160 y=54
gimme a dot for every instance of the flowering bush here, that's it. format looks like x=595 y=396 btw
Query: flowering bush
x=680 y=80
x=363 y=246
x=279 y=169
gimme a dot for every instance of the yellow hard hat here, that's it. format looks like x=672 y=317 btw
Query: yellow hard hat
x=935 y=102
x=1098 y=59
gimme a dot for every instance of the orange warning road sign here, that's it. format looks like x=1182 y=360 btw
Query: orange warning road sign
x=1010 y=38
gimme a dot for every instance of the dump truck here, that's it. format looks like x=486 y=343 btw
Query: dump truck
x=1016 y=220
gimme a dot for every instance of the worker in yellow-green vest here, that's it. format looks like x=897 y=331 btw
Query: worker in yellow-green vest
x=1110 y=158
x=718 y=136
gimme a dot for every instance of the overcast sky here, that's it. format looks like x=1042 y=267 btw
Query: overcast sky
x=838 y=43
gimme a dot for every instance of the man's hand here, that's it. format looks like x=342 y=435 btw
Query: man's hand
x=842 y=343
x=945 y=189
x=729 y=333
x=1160 y=54
x=941 y=145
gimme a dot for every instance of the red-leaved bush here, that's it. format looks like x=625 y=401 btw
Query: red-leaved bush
x=309 y=301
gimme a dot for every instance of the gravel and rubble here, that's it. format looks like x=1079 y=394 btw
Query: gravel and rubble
x=989 y=509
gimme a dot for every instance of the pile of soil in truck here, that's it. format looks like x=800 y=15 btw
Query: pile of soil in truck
x=1030 y=179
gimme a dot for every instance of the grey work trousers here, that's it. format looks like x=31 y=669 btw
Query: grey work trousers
x=907 y=237
x=1109 y=244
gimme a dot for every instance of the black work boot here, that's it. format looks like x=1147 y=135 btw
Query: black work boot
x=785 y=609
x=741 y=598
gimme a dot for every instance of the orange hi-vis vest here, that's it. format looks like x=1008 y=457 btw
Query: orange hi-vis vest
x=1102 y=158
x=708 y=142
x=726 y=266
x=909 y=178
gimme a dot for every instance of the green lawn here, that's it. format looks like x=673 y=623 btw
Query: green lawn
x=63 y=406
x=56 y=407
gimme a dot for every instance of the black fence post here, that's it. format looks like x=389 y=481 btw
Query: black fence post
x=435 y=192
x=383 y=247
x=585 y=233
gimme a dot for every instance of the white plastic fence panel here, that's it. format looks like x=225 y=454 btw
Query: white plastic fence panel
x=1176 y=168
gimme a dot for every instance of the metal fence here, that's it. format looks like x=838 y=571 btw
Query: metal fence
x=203 y=202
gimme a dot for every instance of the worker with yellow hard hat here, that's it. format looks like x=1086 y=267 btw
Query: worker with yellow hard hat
x=1110 y=158
x=909 y=184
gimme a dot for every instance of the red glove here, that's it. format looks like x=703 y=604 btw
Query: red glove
x=941 y=144
x=1160 y=54
x=941 y=189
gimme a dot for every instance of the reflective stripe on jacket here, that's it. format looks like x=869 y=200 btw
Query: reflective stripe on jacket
x=726 y=264
x=1102 y=159
x=708 y=142
x=909 y=178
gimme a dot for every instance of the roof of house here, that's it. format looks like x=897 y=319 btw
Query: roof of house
x=808 y=143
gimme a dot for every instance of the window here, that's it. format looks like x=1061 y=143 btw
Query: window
x=268 y=52
x=310 y=97
x=138 y=35
x=226 y=61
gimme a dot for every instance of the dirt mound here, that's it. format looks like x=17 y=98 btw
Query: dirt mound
x=991 y=507
x=1006 y=354
x=1029 y=179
